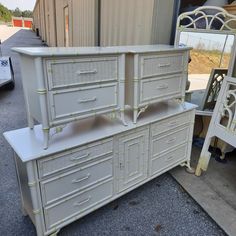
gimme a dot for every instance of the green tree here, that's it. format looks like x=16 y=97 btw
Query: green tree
x=17 y=12
x=5 y=14
x=27 y=13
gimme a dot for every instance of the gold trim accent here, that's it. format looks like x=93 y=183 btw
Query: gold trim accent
x=41 y=91
x=31 y=184
x=37 y=211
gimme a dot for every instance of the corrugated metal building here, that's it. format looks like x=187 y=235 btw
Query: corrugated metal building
x=104 y=22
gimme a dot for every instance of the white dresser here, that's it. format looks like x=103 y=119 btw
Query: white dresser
x=80 y=173
x=62 y=85
x=154 y=74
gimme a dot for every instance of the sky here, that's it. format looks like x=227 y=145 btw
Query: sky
x=208 y=41
x=22 y=4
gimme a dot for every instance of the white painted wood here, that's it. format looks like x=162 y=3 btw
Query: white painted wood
x=76 y=180
x=223 y=122
x=133 y=157
x=80 y=173
x=153 y=77
x=27 y=143
x=85 y=51
x=74 y=205
x=70 y=72
x=60 y=90
x=72 y=158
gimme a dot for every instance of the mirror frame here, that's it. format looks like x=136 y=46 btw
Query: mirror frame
x=205 y=14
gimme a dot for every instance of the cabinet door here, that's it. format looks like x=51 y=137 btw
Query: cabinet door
x=133 y=158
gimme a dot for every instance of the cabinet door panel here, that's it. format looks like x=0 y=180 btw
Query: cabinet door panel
x=133 y=158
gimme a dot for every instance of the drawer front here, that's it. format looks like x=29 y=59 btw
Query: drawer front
x=84 y=101
x=161 y=162
x=161 y=64
x=170 y=123
x=63 y=73
x=160 y=88
x=51 y=165
x=75 y=205
x=76 y=180
x=166 y=142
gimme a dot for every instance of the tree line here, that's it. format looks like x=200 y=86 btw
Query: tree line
x=6 y=14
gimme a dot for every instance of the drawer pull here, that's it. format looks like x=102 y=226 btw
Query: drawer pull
x=82 y=202
x=87 y=100
x=171 y=140
x=86 y=72
x=164 y=65
x=76 y=181
x=170 y=158
x=163 y=86
x=80 y=157
x=172 y=123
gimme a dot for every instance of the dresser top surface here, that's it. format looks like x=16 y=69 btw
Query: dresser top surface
x=75 y=51
x=28 y=144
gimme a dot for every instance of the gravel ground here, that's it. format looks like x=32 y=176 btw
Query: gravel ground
x=160 y=207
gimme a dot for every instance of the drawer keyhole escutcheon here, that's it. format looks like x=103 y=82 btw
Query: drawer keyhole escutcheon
x=80 y=157
x=82 y=202
x=86 y=72
x=87 y=100
x=76 y=181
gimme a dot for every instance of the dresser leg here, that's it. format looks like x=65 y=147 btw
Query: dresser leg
x=204 y=157
x=122 y=117
x=189 y=169
x=30 y=122
x=46 y=132
x=135 y=115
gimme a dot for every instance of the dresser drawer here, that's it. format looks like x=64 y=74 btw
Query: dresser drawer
x=75 y=205
x=76 y=180
x=170 y=123
x=51 y=165
x=164 y=143
x=168 y=159
x=86 y=100
x=161 y=64
x=160 y=88
x=67 y=72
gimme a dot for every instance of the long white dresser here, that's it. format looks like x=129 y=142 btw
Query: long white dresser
x=94 y=161
x=62 y=85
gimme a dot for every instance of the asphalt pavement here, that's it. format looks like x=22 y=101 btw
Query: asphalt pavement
x=160 y=207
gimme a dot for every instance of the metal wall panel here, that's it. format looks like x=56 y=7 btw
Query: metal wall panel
x=136 y=22
x=126 y=22
x=162 y=21
x=50 y=22
x=84 y=22
x=42 y=20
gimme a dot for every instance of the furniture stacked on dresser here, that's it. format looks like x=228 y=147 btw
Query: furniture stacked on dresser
x=99 y=158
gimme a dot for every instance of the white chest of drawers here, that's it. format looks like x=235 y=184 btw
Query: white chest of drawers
x=62 y=85
x=154 y=76
x=80 y=173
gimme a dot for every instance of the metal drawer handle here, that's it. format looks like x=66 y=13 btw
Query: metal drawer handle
x=172 y=123
x=171 y=140
x=164 y=65
x=86 y=72
x=170 y=158
x=80 y=157
x=75 y=181
x=163 y=86
x=88 y=100
x=82 y=202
